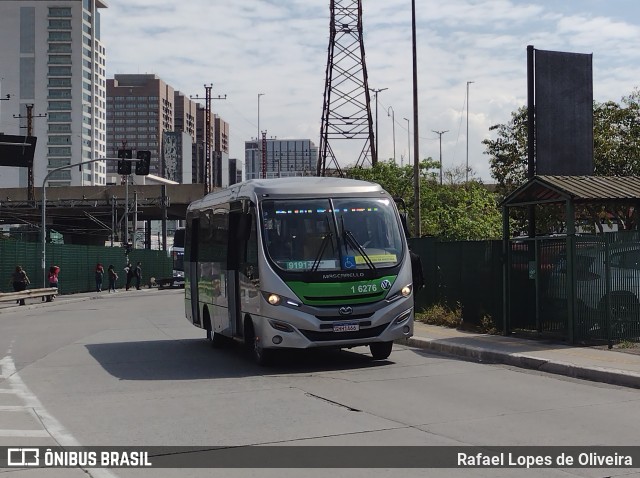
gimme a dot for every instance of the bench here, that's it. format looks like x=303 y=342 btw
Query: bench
x=28 y=294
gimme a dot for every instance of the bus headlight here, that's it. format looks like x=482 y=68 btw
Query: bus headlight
x=406 y=291
x=277 y=299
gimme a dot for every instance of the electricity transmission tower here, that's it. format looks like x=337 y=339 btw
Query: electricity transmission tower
x=346 y=112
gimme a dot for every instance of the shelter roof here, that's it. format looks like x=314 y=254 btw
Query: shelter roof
x=579 y=189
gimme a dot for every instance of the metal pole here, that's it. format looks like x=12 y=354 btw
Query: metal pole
x=376 y=91
x=467 y=171
x=408 y=141
x=164 y=217
x=113 y=217
x=258 y=136
x=440 y=133
x=416 y=137
x=135 y=219
x=393 y=120
x=126 y=210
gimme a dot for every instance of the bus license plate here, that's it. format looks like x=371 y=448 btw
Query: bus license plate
x=351 y=327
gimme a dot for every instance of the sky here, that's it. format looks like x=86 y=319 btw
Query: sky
x=279 y=48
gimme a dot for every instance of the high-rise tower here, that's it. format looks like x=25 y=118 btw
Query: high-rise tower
x=346 y=112
x=52 y=58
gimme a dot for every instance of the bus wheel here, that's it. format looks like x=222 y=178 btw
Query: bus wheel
x=261 y=355
x=381 y=350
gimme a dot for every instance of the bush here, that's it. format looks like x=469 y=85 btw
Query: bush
x=488 y=326
x=439 y=314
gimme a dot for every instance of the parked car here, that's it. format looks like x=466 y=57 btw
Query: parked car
x=591 y=280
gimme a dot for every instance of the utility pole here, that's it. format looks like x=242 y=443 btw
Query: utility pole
x=440 y=133
x=209 y=171
x=374 y=158
x=393 y=121
x=31 y=194
x=467 y=172
x=416 y=130
x=408 y=141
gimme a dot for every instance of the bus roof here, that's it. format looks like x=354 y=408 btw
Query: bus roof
x=297 y=187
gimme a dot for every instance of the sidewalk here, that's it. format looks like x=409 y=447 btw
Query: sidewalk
x=590 y=363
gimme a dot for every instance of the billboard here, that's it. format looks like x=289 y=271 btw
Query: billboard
x=563 y=113
x=17 y=150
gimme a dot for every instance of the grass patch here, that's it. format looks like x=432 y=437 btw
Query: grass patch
x=442 y=315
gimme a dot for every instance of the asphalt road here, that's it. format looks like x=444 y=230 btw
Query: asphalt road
x=127 y=370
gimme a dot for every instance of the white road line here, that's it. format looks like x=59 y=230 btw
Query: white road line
x=52 y=427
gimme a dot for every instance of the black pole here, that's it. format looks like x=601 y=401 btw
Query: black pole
x=164 y=217
x=531 y=131
x=416 y=154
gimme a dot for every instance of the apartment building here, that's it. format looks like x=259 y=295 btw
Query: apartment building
x=52 y=57
x=284 y=157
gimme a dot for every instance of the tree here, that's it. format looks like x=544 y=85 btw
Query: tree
x=616 y=130
x=451 y=211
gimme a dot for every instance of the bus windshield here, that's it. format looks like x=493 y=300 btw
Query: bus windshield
x=304 y=235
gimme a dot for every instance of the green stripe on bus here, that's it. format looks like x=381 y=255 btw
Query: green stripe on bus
x=339 y=293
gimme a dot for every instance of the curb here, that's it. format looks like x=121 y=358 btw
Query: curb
x=480 y=355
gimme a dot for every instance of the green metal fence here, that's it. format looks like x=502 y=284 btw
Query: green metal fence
x=77 y=264
x=468 y=273
x=584 y=288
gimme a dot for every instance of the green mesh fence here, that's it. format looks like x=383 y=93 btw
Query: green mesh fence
x=464 y=272
x=77 y=264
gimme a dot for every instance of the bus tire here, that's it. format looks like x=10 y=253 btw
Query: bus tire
x=261 y=355
x=380 y=350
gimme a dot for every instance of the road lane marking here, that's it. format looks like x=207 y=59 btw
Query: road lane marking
x=52 y=427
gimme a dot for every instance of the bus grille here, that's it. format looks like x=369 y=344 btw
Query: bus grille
x=335 y=318
x=316 y=336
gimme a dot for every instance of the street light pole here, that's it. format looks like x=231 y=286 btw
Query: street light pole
x=408 y=141
x=440 y=133
x=44 y=209
x=258 y=136
x=467 y=171
x=376 y=91
x=393 y=120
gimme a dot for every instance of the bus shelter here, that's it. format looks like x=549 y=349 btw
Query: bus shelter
x=579 y=286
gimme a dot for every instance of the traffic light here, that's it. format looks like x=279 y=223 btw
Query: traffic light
x=142 y=165
x=124 y=167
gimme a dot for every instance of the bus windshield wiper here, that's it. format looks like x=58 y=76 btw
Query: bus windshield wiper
x=350 y=239
x=323 y=246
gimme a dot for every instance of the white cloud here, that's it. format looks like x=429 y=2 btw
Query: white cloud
x=279 y=47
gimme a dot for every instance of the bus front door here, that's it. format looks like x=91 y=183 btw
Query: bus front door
x=194 y=265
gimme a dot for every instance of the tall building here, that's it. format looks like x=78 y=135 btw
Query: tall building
x=221 y=151
x=52 y=58
x=140 y=108
x=285 y=157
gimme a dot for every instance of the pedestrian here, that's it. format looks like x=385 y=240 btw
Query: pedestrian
x=53 y=280
x=113 y=277
x=20 y=281
x=138 y=274
x=99 y=277
x=129 y=271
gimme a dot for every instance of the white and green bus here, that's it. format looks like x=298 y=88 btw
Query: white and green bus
x=299 y=263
